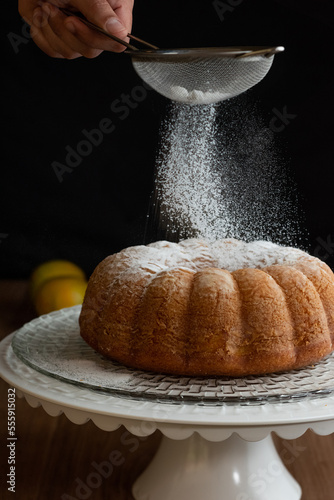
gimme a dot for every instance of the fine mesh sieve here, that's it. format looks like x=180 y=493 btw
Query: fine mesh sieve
x=196 y=75
x=203 y=76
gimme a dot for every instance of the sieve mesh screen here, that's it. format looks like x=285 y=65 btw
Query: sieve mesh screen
x=203 y=80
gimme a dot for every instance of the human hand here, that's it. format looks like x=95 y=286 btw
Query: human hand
x=67 y=37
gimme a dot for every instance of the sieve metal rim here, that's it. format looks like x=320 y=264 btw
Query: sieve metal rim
x=188 y=54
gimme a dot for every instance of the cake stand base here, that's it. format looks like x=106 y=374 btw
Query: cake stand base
x=233 y=469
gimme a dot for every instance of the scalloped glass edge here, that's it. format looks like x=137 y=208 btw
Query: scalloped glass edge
x=258 y=400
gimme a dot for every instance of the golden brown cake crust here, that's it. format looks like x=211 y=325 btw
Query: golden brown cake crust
x=200 y=308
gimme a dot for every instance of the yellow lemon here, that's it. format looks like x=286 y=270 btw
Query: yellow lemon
x=58 y=293
x=53 y=269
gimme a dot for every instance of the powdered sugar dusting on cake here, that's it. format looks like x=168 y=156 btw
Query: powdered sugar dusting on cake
x=257 y=254
x=229 y=254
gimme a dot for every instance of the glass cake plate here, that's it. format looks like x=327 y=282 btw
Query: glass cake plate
x=51 y=344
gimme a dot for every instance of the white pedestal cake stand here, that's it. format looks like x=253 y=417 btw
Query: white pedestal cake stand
x=214 y=451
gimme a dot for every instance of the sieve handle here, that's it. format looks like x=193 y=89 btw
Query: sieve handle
x=68 y=12
x=263 y=52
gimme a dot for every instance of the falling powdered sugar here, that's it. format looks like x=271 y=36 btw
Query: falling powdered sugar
x=188 y=188
x=219 y=176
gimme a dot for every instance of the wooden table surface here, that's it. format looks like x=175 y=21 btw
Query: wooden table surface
x=55 y=458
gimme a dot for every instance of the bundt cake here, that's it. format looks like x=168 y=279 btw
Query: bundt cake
x=210 y=308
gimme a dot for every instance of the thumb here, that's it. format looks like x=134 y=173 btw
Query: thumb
x=103 y=15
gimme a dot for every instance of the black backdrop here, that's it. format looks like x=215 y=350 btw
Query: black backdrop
x=64 y=197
